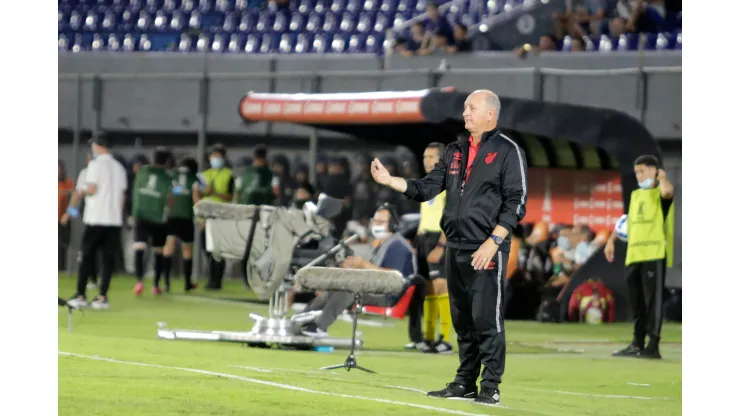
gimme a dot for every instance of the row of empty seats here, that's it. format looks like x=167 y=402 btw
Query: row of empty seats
x=629 y=42
x=268 y=42
x=313 y=21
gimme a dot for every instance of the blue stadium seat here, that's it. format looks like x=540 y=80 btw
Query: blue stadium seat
x=236 y=43
x=64 y=42
x=303 y=43
x=212 y=20
x=338 y=6
x=188 y=5
x=110 y=21
x=248 y=22
x=179 y=20
x=287 y=43
x=652 y=40
x=297 y=22
x=374 y=43
x=349 y=22
x=231 y=22
x=406 y=5
x=678 y=41
x=265 y=21
x=371 y=5
x=321 y=6
x=354 y=6
x=382 y=22
x=219 y=43
x=315 y=22
x=130 y=43
x=320 y=44
x=306 y=6
x=389 y=6
x=330 y=22
x=170 y=5
x=339 y=42
x=75 y=20
x=628 y=42
x=206 y=6
x=270 y=42
x=356 y=43
x=185 y=44
x=281 y=22
x=365 y=22
x=161 y=21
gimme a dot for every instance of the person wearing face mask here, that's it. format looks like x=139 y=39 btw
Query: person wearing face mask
x=303 y=193
x=255 y=185
x=649 y=252
x=218 y=186
x=180 y=225
x=391 y=251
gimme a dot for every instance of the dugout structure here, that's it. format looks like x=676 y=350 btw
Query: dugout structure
x=580 y=158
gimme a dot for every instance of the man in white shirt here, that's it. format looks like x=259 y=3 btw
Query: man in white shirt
x=104 y=193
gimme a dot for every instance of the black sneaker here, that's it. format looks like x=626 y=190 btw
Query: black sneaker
x=632 y=350
x=442 y=347
x=488 y=395
x=651 y=352
x=455 y=391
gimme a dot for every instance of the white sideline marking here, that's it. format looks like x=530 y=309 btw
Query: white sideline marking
x=271 y=384
x=638 y=384
x=273 y=370
x=606 y=396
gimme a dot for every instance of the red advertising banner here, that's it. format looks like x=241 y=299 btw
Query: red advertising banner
x=589 y=197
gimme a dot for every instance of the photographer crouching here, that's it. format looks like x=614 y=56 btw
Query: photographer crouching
x=391 y=251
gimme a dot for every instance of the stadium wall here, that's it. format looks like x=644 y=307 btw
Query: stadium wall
x=170 y=92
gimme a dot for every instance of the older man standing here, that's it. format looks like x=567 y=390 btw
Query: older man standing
x=485 y=179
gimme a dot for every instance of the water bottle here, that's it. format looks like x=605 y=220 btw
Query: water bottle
x=323 y=348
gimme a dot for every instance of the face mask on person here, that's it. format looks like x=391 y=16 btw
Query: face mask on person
x=563 y=243
x=299 y=203
x=183 y=169
x=217 y=162
x=379 y=231
x=646 y=184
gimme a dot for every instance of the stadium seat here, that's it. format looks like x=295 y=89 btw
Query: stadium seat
x=130 y=43
x=265 y=21
x=195 y=20
x=248 y=22
x=349 y=22
x=63 y=42
x=606 y=44
x=303 y=43
x=218 y=44
x=287 y=43
x=253 y=44
x=356 y=44
x=628 y=42
x=281 y=22
x=321 y=6
x=145 y=45
x=381 y=23
x=306 y=6
x=113 y=43
x=354 y=6
x=203 y=44
x=98 y=43
x=330 y=22
x=270 y=42
x=315 y=22
x=338 y=6
x=236 y=43
x=374 y=44
x=365 y=22
x=170 y=5
x=319 y=45
x=297 y=22
x=185 y=44
x=339 y=42
x=678 y=41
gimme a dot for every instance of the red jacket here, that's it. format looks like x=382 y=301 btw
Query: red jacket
x=585 y=289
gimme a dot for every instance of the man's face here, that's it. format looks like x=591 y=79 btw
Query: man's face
x=578 y=45
x=381 y=219
x=135 y=168
x=546 y=43
x=302 y=195
x=300 y=176
x=458 y=32
x=432 y=12
x=417 y=32
x=476 y=113
x=335 y=169
x=320 y=167
x=643 y=172
x=431 y=157
x=277 y=168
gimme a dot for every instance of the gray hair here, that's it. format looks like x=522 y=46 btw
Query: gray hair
x=491 y=100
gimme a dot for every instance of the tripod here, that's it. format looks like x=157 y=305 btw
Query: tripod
x=350 y=362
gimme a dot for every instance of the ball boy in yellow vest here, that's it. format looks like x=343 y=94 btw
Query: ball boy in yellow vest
x=649 y=252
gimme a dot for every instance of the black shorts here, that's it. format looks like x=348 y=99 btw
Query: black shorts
x=150 y=232
x=182 y=228
x=424 y=244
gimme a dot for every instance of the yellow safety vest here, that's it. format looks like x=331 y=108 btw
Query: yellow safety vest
x=649 y=234
x=219 y=179
x=431 y=214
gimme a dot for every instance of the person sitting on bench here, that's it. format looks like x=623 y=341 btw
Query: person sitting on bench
x=391 y=251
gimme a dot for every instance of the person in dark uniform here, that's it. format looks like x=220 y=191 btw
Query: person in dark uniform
x=180 y=220
x=152 y=188
x=484 y=176
x=255 y=186
x=649 y=252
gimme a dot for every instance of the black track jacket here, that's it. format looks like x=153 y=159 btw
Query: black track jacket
x=495 y=194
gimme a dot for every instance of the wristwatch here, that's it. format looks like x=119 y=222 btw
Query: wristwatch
x=496 y=239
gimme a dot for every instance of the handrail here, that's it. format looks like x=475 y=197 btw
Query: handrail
x=112 y=76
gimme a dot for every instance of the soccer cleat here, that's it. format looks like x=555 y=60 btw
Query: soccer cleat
x=410 y=346
x=138 y=288
x=489 y=396
x=455 y=391
x=631 y=351
x=100 y=303
x=156 y=291
x=190 y=287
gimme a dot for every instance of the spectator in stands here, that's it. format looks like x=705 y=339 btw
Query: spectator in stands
x=411 y=45
x=303 y=193
x=301 y=173
x=651 y=16
x=460 y=43
x=438 y=24
x=66 y=187
x=578 y=45
x=548 y=43
x=583 y=21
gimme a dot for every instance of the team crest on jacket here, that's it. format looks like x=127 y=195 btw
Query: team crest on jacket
x=455 y=165
x=490 y=157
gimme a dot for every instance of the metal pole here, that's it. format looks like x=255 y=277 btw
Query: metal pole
x=97 y=102
x=71 y=255
x=200 y=157
x=313 y=144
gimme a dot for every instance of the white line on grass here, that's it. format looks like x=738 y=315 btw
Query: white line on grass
x=273 y=370
x=272 y=384
x=606 y=396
